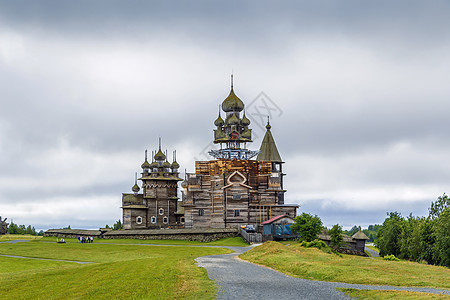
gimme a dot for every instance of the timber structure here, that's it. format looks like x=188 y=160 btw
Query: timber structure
x=231 y=190
x=157 y=206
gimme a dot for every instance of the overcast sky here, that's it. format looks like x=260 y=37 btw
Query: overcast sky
x=358 y=94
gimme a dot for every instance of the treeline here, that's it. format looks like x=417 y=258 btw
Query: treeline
x=116 y=226
x=371 y=232
x=22 y=229
x=418 y=238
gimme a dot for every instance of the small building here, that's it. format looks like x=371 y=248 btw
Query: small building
x=356 y=242
x=278 y=228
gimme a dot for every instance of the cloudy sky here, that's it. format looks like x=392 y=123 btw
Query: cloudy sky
x=358 y=93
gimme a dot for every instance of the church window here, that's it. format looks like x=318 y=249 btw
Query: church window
x=182 y=220
x=153 y=220
x=139 y=220
x=236 y=212
x=201 y=212
x=236 y=197
x=165 y=220
x=161 y=211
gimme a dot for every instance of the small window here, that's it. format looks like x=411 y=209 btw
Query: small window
x=165 y=220
x=236 y=212
x=139 y=220
x=161 y=211
x=236 y=197
x=201 y=212
x=182 y=220
x=153 y=220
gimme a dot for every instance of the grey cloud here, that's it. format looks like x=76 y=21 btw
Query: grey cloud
x=353 y=81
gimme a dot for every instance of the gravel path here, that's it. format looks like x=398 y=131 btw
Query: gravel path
x=372 y=252
x=238 y=279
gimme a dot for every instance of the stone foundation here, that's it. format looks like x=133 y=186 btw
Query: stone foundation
x=200 y=235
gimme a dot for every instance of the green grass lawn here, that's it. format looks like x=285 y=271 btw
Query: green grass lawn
x=232 y=241
x=312 y=263
x=383 y=295
x=124 y=271
x=11 y=237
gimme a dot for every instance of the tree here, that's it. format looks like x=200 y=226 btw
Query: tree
x=336 y=238
x=352 y=231
x=438 y=206
x=117 y=225
x=307 y=226
x=442 y=232
x=389 y=234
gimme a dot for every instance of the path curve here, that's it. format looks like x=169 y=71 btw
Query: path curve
x=239 y=279
x=372 y=252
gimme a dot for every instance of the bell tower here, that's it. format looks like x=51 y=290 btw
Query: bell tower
x=233 y=133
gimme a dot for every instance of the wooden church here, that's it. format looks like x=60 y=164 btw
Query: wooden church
x=237 y=187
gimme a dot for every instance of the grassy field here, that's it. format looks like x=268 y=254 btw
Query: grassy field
x=312 y=263
x=383 y=295
x=11 y=237
x=232 y=241
x=122 y=271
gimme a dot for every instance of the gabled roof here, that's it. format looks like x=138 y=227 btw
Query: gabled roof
x=360 y=236
x=268 y=150
x=273 y=219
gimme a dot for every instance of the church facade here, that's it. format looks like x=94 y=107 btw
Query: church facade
x=157 y=206
x=237 y=187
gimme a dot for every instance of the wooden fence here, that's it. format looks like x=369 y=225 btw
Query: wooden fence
x=251 y=238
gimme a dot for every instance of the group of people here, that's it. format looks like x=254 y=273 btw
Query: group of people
x=85 y=239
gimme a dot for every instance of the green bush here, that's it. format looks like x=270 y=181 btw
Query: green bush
x=391 y=257
x=319 y=244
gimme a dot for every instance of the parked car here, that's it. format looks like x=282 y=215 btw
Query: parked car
x=250 y=228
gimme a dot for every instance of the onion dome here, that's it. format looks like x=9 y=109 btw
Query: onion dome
x=135 y=188
x=232 y=103
x=233 y=120
x=219 y=121
x=175 y=165
x=145 y=165
x=184 y=184
x=245 y=121
x=166 y=164
x=154 y=165
x=159 y=156
x=247 y=133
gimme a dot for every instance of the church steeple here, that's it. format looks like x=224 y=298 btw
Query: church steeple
x=268 y=150
x=232 y=133
x=229 y=132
